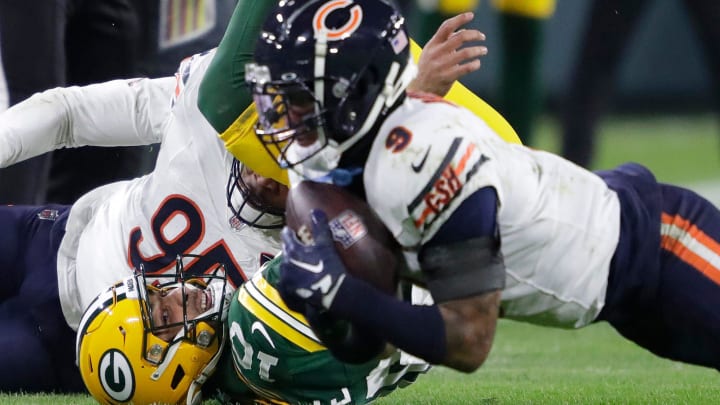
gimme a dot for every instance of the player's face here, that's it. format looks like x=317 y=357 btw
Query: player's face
x=264 y=191
x=166 y=307
x=301 y=106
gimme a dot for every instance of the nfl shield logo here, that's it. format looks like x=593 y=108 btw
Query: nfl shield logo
x=48 y=215
x=235 y=223
x=347 y=228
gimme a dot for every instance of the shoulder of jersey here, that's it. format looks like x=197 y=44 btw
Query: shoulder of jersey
x=415 y=139
x=190 y=71
x=424 y=152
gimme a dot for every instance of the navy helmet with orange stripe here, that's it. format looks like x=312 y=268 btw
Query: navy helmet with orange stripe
x=325 y=73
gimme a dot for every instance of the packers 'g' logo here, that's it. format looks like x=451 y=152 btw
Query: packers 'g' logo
x=337 y=33
x=116 y=376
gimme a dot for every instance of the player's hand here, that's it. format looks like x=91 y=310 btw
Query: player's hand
x=448 y=56
x=310 y=272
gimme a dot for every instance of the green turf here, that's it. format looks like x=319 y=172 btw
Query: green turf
x=594 y=365
x=679 y=149
x=534 y=365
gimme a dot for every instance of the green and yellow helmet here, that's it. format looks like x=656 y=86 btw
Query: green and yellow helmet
x=121 y=357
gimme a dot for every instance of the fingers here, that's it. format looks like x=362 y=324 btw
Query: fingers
x=461 y=38
x=289 y=240
x=320 y=228
x=452 y=53
x=449 y=26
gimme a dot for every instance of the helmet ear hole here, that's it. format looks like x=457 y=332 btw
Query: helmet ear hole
x=365 y=84
x=361 y=89
x=177 y=377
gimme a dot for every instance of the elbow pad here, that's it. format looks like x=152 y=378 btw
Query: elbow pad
x=463 y=269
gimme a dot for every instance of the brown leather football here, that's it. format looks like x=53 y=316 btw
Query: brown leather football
x=365 y=245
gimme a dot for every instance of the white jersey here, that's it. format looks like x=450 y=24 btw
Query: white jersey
x=4 y=92
x=179 y=208
x=558 y=223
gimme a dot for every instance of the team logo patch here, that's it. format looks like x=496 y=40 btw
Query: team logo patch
x=337 y=31
x=48 y=215
x=235 y=223
x=347 y=228
x=116 y=375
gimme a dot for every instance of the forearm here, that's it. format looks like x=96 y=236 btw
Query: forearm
x=416 y=329
x=470 y=330
x=457 y=334
x=116 y=113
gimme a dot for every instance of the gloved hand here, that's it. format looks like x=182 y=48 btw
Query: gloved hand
x=310 y=273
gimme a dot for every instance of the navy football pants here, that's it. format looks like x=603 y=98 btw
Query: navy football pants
x=664 y=285
x=38 y=347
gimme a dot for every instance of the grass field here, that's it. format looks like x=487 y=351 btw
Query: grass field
x=594 y=365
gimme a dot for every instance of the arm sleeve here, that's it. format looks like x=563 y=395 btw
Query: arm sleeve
x=347 y=342
x=115 y=113
x=223 y=94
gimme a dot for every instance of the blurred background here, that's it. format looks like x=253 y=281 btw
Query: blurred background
x=601 y=82
x=597 y=81
x=663 y=68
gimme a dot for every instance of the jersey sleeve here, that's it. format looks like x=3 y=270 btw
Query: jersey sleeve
x=115 y=113
x=225 y=100
x=223 y=94
x=276 y=354
x=431 y=165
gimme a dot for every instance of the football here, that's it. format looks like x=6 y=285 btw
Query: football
x=366 y=246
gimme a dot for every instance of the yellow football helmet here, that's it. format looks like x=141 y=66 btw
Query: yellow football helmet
x=120 y=356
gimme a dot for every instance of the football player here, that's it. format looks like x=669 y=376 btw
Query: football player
x=62 y=256
x=55 y=259
x=177 y=338
x=496 y=229
x=223 y=96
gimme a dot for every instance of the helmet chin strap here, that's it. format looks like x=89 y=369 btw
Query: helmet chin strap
x=319 y=72
x=194 y=394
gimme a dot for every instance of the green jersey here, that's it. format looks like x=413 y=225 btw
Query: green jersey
x=274 y=353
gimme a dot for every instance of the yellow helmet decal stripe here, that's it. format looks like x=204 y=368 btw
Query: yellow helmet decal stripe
x=263 y=301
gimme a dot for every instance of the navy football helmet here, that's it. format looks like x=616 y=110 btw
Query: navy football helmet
x=325 y=73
